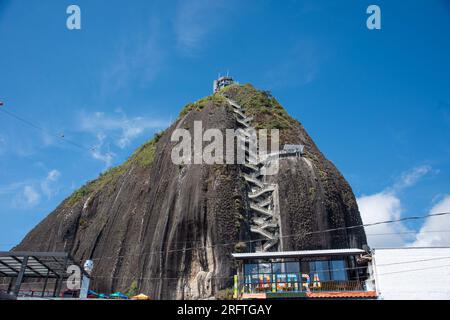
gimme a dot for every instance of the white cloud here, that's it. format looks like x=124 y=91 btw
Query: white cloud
x=117 y=129
x=106 y=157
x=120 y=126
x=410 y=178
x=31 y=196
x=385 y=206
x=48 y=184
x=2 y=144
x=28 y=194
x=429 y=234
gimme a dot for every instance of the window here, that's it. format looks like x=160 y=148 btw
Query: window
x=339 y=273
x=265 y=268
x=321 y=268
x=292 y=267
x=251 y=268
x=278 y=267
x=292 y=282
x=281 y=278
x=255 y=279
x=286 y=276
x=329 y=270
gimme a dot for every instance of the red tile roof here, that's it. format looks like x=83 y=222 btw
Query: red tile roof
x=343 y=294
x=254 y=296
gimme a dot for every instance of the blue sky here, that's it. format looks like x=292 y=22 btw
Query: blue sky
x=377 y=103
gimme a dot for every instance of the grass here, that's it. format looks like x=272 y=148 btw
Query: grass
x=267 y=112
x=226 y=294
x=132 y=290
x=200 y=104
x=142 y=157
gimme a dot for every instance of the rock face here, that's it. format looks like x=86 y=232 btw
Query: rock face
x=169 y=230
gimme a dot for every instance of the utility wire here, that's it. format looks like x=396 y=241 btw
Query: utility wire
x=285 y=236
x=413 y=270
x=322 y=270
x=314 y=232
x=367 y=234
x=37 y=127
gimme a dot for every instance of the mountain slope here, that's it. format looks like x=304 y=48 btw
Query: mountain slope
x=170 y=229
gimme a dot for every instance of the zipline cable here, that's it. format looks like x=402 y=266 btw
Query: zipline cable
x=285 y=236
x=37 y=127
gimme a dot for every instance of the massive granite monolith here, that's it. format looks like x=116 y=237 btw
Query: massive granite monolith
x=169 y=230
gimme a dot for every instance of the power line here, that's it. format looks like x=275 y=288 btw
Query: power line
x=322 y=270
x=413 y=270
x=367 y=234
x=285 y=236
x=407 y=232
x=38 y=127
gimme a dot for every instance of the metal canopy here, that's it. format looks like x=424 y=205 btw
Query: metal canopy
x=36 y=265
x=297 y=254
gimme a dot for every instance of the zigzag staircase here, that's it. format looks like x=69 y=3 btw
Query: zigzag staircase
x=264 y=221
x=263 y=197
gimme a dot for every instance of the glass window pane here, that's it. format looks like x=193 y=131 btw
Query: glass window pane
x=278 y=267
x=305 y=268
x=321 y=268
x=339 y=272
x=251 y=268
x=265 y=268
x=292 y=282
x=293 y=267
x=266 y=278
x=255 y=278
x=281 y=278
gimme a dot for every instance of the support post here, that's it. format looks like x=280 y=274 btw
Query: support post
x=61 y=277
x=10 y=286
x=45 y=284
x=55 y=288
x=20 y=276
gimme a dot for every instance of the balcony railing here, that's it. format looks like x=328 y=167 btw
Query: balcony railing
x=322 y=286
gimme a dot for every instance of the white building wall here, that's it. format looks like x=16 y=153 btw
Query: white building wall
x=412 y=273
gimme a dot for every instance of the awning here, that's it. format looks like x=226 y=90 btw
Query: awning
x=36 y=265
x=298 y=254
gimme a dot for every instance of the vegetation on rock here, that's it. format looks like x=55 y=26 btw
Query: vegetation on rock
x=200 y=104
x=142 y=157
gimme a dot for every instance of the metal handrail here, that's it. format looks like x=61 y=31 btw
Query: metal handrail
x=325 y=286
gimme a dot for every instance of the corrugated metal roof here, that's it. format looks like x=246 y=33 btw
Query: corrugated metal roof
x=38 y=264
x=294 y=254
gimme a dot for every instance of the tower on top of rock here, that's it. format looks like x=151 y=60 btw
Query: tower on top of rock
x=222 y=82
